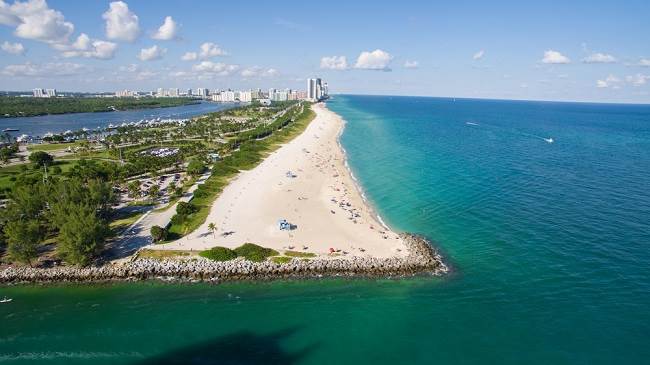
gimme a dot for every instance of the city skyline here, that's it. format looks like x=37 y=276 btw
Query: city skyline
x=487 y=52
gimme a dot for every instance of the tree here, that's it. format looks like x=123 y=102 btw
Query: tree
x=195 y=167
x=23 y=238
x=212 y=228
x=158 y=233
x=41 y=158
x=153 y=191
x=134 y=189
x=81 y=236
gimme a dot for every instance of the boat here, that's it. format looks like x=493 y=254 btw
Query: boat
x=5 y=300
x=549 y=140
x=10 y=130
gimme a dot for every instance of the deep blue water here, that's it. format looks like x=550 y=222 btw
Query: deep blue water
x=550 y=245
x=57 y=123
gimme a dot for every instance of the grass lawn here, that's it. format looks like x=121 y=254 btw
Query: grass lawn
x=47 y=147
x=9 y=173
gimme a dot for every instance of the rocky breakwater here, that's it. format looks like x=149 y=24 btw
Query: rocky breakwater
x=422 y=258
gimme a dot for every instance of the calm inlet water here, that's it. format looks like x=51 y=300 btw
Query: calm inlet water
x=549 y=242
x=57 y=123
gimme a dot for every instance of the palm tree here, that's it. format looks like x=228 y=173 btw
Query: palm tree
x=212 y=228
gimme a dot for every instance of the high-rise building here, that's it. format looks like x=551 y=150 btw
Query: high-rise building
x=314 y=89
x=202 y=92
x=39 y=93
x=174 y=92
x=160 y=92
x=51 y=93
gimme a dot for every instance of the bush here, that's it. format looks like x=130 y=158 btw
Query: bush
x=158 y=233
x=185 y=209
x=255 y=253
x=219 y=254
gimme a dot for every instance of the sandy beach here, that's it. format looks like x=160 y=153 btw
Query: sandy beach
x=307 y=183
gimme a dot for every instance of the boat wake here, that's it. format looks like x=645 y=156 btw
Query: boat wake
x=471 y=123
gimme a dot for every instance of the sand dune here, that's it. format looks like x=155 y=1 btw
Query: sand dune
x=321 y=200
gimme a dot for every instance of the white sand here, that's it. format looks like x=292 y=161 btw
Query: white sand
x=322 y=201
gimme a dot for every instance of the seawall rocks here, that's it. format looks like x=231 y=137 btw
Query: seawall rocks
x=422 y=258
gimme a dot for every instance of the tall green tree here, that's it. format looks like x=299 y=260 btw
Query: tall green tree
x=41 y=158
x=82 y=235
x=23 y=238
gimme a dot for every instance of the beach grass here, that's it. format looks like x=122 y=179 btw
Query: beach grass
x=163 y=254
x=281 y=259
x=299 y=254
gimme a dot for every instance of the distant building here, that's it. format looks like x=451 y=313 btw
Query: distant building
x=265 y=102
x=51 y=93
x=125 y=93
x=202 y=92
x=39 y=93
x=245 y=96
x=174 y=92
x=160 y=92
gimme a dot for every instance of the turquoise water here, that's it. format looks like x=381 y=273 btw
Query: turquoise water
x=549 y=243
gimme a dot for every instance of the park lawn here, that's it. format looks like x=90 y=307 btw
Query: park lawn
x=47 y=147
x=249 y=155
x=7 y=172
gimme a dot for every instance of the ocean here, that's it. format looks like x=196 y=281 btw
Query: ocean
x=549 y=244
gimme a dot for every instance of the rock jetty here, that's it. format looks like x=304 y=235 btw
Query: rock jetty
x=422 y=258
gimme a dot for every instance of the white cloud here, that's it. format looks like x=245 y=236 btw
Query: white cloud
x=215 y=68
x=638 y=79
x=478 y=55
x=600 y=58
x=13 y=48
x=375 y=60
x=255 y=71
x=644 y=62
x=207 y=50
x=121 y=23
x=411 y=64
x=167 y=31
x=88 y=48
x=152 y=53
x=190 y=56
x=555 y=57
x=334 y=63
x=29 y=69
x=609 y=81
x=33 y=19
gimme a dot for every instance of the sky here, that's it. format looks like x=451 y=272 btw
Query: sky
x=597 y=51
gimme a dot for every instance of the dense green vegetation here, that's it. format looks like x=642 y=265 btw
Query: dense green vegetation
x=249 y=251
x=242 y=153
x=24 y=107
x=219 y=254
x=255 y=253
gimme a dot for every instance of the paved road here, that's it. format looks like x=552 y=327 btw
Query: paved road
x=138 y=234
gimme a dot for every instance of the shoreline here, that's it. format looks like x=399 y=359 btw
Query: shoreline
x=403 y=254
x=423 y=259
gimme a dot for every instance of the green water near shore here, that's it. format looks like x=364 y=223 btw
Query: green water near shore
x=548 y=242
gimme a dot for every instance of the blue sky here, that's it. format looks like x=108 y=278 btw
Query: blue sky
x=578 y=50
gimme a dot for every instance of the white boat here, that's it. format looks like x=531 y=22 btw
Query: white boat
x=5 y=300
x=549 y=140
